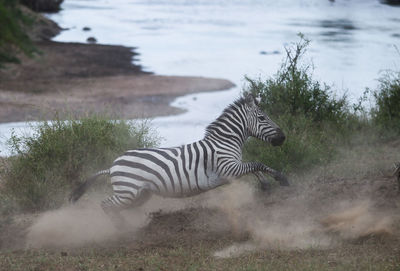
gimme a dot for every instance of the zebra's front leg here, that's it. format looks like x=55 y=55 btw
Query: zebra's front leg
x=264 y=183
x=254 y=167
x=278 y=176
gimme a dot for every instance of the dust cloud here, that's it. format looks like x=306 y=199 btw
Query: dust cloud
x=288 y=218
x=85 y=223
x=70 y=226
x=293 y=220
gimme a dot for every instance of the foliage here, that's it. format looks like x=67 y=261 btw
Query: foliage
x=304 y=146
x=293 y=91
x=62 y=153
x=13 y=38
x=311 y=117
x=386 y=112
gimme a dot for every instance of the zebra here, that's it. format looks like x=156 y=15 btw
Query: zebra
x=193 y=168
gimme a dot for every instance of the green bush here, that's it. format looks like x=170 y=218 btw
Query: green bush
x=386 y=112
x=13 y=39
x=293 y=91
x=304 y=146
x=62 y=153
x=312 y=119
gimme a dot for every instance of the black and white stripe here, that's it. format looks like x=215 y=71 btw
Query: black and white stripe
x=197 y=167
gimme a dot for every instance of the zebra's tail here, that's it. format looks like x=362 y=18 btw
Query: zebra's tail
x=81 y=189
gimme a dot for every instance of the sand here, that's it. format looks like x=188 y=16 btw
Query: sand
x=76 y=78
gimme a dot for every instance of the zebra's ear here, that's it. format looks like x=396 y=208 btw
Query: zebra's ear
x=251 y=100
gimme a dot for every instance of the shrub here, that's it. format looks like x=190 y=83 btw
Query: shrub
x=13 y=38
x=305 y=109
x=386 y=112
x=293 y=91
x=304 y=146
x=62 y=153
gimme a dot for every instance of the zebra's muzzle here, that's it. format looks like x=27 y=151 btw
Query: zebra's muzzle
x=278 y=139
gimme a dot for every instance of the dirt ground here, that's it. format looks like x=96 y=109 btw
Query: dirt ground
x=341 y=216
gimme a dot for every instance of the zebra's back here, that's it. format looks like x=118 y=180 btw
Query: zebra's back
x=174 y=172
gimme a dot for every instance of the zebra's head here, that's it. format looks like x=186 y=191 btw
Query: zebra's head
x=260 y=125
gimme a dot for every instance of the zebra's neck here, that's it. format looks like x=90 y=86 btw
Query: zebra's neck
x=230 y=127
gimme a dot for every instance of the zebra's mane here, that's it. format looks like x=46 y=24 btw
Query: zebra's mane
x=227 y=111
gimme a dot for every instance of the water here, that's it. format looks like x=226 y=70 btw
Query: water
x=351 y=42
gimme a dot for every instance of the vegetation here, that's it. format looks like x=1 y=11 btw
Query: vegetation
x=13 y=37
x=313 y=119
x=386 y=113
x=14 y=23
x=62 y=153
x=292 y=91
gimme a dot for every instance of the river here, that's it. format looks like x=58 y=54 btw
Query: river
x=352 y=41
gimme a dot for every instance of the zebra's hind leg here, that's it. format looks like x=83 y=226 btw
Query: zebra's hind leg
x=111 y=206
x=114 y=204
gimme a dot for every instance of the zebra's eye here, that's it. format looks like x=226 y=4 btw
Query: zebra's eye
x=262 y=118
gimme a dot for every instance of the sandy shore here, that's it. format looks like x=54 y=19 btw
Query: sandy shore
x=80 y=78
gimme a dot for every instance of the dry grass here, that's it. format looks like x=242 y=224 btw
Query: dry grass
x=198 y=257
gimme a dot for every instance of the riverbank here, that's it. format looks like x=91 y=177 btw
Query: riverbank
x=80 y=78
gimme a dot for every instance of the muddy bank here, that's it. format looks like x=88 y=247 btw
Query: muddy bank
x=80 y=78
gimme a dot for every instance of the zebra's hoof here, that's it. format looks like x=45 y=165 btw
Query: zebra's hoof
x=265 y=186
x=283 y=181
